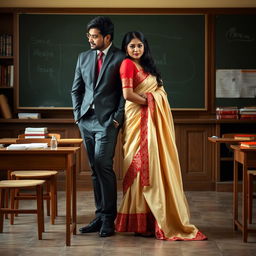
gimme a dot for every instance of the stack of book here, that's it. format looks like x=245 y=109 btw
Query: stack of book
x=248 y=113
x=249 y=144
x=246 y=137
x=36 y=133
x=227 y=113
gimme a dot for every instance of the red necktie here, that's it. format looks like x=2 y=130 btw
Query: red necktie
x=99 y=62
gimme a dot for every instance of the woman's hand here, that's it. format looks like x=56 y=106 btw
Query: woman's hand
x=130 y=95
x=143 y=95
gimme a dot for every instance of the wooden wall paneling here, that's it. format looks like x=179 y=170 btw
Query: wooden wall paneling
x=196 y=156
x=200 y=160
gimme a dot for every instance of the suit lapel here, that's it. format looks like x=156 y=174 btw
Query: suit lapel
x=93 y=68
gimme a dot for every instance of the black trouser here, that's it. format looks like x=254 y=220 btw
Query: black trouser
x=100 y=143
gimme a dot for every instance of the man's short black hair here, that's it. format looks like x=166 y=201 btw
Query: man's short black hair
x=103 y=24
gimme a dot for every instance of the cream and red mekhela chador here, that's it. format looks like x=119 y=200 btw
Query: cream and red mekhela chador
x=154 y=199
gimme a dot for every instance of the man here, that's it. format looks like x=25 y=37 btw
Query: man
x=98 y=110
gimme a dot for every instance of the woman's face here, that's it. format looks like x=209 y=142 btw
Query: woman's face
x=135 y=49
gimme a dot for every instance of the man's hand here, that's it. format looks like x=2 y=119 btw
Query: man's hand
x=116 y=124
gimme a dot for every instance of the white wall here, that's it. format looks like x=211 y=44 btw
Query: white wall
x=129 y=4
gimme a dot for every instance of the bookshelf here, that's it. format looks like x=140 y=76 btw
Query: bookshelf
x=7 y=58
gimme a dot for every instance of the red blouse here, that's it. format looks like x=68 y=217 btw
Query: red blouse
x=130 y=74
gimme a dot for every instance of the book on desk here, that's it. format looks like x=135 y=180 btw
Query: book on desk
x=247 y=137
x=27 y=146
x=248 y=144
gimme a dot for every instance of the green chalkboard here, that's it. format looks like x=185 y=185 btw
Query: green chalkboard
x=50 y=43
x=235 y=49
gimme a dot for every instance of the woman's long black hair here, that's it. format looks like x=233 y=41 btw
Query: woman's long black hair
x=146 y=61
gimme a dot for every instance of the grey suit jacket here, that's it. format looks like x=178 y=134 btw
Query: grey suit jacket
x=105 y=93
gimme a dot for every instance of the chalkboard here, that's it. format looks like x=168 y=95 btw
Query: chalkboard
x=235 y=49
x=50 y=43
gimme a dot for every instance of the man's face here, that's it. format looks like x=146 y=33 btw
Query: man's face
x=96 y=40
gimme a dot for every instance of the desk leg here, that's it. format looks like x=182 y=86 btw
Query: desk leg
x=74 y=196
x=79 y=153
x=68 y=202
x=235 y=195
x=245 y=201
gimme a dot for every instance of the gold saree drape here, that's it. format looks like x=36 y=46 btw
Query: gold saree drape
x=154 y=199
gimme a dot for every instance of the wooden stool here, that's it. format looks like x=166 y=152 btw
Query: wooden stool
x=51 y=190
x=251 y=175
x=6 y=185
x=50 y=177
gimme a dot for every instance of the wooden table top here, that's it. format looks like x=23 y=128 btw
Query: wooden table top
x=238 y=147
x=40 y=150
x=224 y=140
x=60 y=141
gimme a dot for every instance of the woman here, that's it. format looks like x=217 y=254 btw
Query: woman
x=154 y=202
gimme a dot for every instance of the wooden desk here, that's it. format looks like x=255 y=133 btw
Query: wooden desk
x=46 y=159
x=217 y=141
x=74 y=142
x=247 y=158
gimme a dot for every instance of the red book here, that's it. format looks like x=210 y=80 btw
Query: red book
x=227 y=117
x=250 y=117
x=245 y=136
x=250 y=144
x=227 y=110
x=36 y=136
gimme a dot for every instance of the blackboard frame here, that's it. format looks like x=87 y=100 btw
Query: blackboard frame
x=205 y=85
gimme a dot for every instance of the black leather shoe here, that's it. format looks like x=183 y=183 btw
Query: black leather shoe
x=107 y=228
x=146 y=234
x=93 y=226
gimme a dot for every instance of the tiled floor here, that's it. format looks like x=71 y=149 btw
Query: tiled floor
x=211 y=212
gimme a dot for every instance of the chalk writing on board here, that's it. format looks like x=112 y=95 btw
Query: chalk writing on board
x=161 y=60
x=35 y=40
x=233 y=34
x=45 y=54
x=44 y=65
